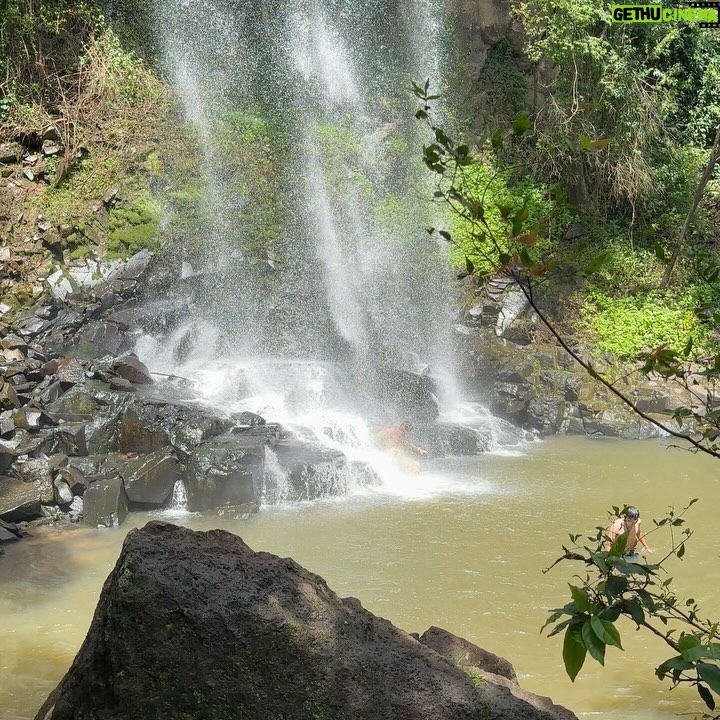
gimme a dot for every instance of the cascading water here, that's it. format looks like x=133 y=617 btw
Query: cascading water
x=319 y=285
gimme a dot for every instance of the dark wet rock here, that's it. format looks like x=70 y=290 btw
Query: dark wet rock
x=94 y=468
x=7 y=458
x=71 y=438
x=247 y=418
x=442 y=439
x=270 y=432
x=306 y=472
x=30 y=418
x=74 y=479
x=227 y=470
x=105 y=503
x=70 y=371
x=98 y=408
x=197 y=625
x=18 y=500
x=406 y=395
x=121 y=384
x=130 y=368
x=147 y=426
x=35 y=470
x=150 y=479
x=8 y=396
x=78 y=404
x=6 y=536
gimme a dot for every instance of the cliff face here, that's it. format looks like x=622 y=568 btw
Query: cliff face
x=197 y=625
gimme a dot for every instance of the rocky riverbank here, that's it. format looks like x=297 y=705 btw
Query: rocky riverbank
x=88 y=433
x=527 y=378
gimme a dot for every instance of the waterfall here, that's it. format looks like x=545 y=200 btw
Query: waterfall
x=316 y=281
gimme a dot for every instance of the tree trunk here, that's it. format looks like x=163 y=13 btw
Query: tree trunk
x=699 y=190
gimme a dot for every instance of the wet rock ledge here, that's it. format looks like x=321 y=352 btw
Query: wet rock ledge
x=197 y=625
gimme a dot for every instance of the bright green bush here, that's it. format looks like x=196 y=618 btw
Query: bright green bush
x=630 y=325
x=496 y=189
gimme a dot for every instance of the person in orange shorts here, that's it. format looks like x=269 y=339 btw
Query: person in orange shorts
x=396 y=439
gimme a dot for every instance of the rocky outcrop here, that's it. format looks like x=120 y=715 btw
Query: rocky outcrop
x=197 y=625
x=537 y=384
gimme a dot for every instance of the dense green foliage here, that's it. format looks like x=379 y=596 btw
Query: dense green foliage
x=622 y=121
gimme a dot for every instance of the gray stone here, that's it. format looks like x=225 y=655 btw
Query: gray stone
x=18 y=500
x=307 y=471
x=465 y=654
x=150 y=479
x=74 y=479
x=63 y=494
x=105 y=503
x=133 y=370
x=71 y=372
x=226 y=470
x=6 y=536
x=35 y=470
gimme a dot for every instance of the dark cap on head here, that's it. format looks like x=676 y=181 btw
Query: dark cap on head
x=632 y=512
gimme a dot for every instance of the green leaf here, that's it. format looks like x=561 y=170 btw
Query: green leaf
x=560 y=627
x=497 y=140
x=526 y=260
x=521 y=124
x=573 y=653
x=606 y=631
x=674 y=663
x=580 y=598
x=595 y=646
x=681 y=550
x=636 y=612
x=619 y=545
x=616 y=585
x=469 y=265
x=659 y=251
x=711 y=675
x=585 y=142
x=611 y=612
x=505 y=211
x=706 y=695
x=596 y=263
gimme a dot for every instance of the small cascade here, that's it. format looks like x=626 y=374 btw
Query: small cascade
x=178 y=504
x=276 y=488
x=494 y=434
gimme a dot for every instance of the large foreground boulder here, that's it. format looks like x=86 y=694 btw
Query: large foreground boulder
x=197 y=625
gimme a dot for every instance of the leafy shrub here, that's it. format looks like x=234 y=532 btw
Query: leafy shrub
x=629 y=325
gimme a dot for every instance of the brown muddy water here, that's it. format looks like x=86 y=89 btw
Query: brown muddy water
x=461 y=545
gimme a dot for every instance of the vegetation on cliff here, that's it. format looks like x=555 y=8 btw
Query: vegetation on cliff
x=620 y=122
